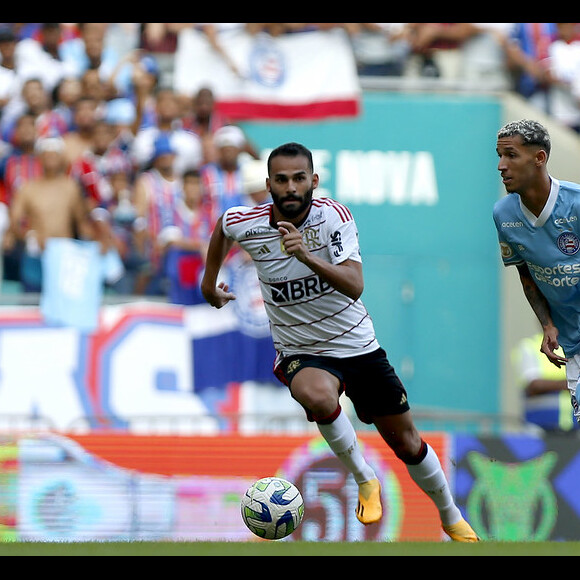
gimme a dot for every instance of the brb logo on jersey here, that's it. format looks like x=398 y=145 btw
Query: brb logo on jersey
x=568 y=243
x=294 y=290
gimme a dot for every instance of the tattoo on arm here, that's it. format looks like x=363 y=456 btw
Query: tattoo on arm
x=535 y=297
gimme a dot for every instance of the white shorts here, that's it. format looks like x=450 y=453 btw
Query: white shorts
x=572 y=378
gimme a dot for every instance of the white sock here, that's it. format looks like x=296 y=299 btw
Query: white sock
x=429 y=476
x=341 y=438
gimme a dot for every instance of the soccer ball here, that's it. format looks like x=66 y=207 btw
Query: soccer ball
x=272 y=508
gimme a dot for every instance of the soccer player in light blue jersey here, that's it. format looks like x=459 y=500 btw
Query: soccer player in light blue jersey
x=539 y=233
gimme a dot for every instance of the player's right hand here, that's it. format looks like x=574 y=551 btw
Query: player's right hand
x=220 y=296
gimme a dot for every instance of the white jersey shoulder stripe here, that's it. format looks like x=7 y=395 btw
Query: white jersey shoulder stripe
x=340 y=209
x=235 y=217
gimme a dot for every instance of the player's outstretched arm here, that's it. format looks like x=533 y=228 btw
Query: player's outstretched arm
x=217 y=295
x=541 y=309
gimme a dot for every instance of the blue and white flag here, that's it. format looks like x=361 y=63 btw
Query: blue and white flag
x=232 y=344
x=73 y=272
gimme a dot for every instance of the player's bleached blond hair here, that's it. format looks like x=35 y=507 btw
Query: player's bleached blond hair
x=531 y=132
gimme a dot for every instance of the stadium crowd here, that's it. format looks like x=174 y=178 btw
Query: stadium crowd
x=150 y=170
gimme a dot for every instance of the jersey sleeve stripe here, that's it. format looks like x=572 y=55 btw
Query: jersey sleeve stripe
x=235 y=217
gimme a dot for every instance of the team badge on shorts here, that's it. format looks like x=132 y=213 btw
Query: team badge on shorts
x=568 y=243
x=293 y=366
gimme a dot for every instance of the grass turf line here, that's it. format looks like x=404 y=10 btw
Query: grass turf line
x=266 y=548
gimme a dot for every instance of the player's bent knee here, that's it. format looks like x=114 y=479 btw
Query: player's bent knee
x=315 y=392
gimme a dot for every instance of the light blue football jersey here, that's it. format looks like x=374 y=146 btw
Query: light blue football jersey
x=550 y=246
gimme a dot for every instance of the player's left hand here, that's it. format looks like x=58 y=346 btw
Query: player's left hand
x=550 y=344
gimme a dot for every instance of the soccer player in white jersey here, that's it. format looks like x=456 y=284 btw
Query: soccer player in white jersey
x=538 y=227
x=308 y=260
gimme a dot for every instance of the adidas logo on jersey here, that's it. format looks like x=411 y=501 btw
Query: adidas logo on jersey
x=263 y=250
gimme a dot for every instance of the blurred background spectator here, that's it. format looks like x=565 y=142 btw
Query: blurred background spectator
x=9 y=80
x=483 y=54
x=379 y=48
x=544 y=387
x=526 y=53
x=168 y=122
x=41 y=56
x=48 y=206
x=563 y=75
x=185 y=242
x=222 y=178
x=157 y=190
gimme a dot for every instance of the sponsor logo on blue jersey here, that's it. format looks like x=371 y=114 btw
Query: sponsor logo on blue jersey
x=568 y=243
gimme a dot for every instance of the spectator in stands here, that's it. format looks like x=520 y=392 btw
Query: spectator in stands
x=187 y=145
x=204 y=120
x=121 y=115
x=140 y=84
x=10 y=83
x=80 y=140
x=65 y=97
x=92 y=168
x=42 y=58
x=159 y=39
x=89 y=52
x=116 y=218
x=526 y=52
x=185 y=242
x=35 y=99
x=436 y=48
x=22 y=163
x=51 y=205
x=156 y=191
x=546 y=397
x=483 y=55
x=380 y=49
x=222 y=179
x=563 y=70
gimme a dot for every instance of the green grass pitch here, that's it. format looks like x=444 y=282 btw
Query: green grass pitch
x=285 y=548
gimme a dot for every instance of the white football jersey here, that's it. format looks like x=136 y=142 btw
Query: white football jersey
x=306 y=314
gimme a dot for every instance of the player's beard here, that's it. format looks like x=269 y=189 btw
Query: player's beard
x=291 y=213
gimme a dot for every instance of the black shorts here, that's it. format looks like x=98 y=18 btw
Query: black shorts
x=369 y=381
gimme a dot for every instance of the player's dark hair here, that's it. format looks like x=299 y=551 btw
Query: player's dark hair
x=531 y=132
x=291 y=150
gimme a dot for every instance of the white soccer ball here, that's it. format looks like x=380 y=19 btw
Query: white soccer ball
x=272 y=508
